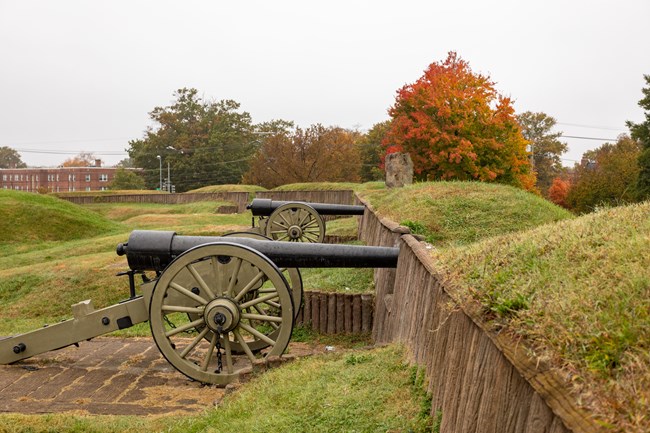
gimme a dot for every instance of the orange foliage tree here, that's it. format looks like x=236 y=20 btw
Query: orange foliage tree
x=84 y=159
x=558 y=192
x=455 y=125
x=316 y=154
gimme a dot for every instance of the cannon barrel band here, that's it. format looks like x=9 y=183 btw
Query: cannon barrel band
x=265 y=207
x=151 y=250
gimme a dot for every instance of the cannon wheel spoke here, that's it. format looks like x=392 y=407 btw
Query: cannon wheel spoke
x=190 y=333
x=295 y=222
x=292 y=275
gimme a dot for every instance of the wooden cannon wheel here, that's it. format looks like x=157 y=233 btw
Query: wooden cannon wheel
x=292 y=275
x=295 y=222
x=237 y=297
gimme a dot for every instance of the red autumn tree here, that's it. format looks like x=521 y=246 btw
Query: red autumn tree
x=315 y=154
x=455 y=125
x=558 y=192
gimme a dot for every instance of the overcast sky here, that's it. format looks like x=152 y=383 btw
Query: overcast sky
x=83 y=75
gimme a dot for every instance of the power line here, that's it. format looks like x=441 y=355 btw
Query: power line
x=71 y=141
x=69 y=152
x=588 y=138
x=591 y=126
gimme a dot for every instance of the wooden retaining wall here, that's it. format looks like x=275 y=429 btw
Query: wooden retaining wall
x=240 y=199
x=479 y=381
x=337 y=313
x=335 y=197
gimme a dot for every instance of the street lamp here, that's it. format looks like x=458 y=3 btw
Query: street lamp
x=160 y=170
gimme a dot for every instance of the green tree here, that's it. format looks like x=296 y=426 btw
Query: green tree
x=605 y=176
x=545 y=147
x=126 y=179
x=10 y=158
x=455 y=125
x=641 y=132
x=371 y=151
x=125 y=163
x=202 y=142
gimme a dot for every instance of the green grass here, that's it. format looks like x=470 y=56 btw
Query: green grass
x=330 y=186
x=107 y=192
x=460 y=213
x=338 y=280
x=229 y=188
x=342 y=227
x=124 y=211
x=578 y=293
x=28 y=218
x=73 y=270
x=364 y=391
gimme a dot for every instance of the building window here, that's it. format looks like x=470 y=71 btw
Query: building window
x=103 y=178
x=57 y=177
x=88 y=178
x=87 y=188
x=4 y=177
x=103 y=188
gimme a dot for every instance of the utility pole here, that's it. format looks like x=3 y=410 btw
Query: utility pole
x=169 y=178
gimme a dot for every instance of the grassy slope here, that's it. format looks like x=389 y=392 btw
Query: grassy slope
x=229 y=188
x=31 y=218
x=580 y=267
x=70 y=271
x=367 y=391
x=107 y=192
x=579 y=293
x=457 y=213
x=330 y=186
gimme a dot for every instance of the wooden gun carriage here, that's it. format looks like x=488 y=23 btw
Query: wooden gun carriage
x=215 y=306
x=296 y=221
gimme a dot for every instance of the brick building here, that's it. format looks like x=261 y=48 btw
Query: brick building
x=61 y=179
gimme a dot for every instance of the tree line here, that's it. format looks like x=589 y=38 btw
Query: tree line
x=452 y=122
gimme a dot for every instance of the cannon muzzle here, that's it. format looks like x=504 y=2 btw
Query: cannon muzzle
x=149 y=250
x=265 y=207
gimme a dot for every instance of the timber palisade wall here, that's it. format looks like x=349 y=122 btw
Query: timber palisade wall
x=335 y=197
x=336 y=313
x=479 y=381
x=240 y=199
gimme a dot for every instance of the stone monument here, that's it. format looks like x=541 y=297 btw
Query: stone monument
x=399 y=170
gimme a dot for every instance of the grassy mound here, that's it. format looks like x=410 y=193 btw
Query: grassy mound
x=107 y=192
x=33 y=218
x=330 y=186
x=229 y=188
x=579 y=293
x=457 y=213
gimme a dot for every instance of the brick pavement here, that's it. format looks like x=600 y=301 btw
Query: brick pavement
x=112 y=376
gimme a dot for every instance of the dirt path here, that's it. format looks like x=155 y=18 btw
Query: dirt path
x=111 y=376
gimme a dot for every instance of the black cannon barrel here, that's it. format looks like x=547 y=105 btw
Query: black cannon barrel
x=154 y=250
x=265 y=206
